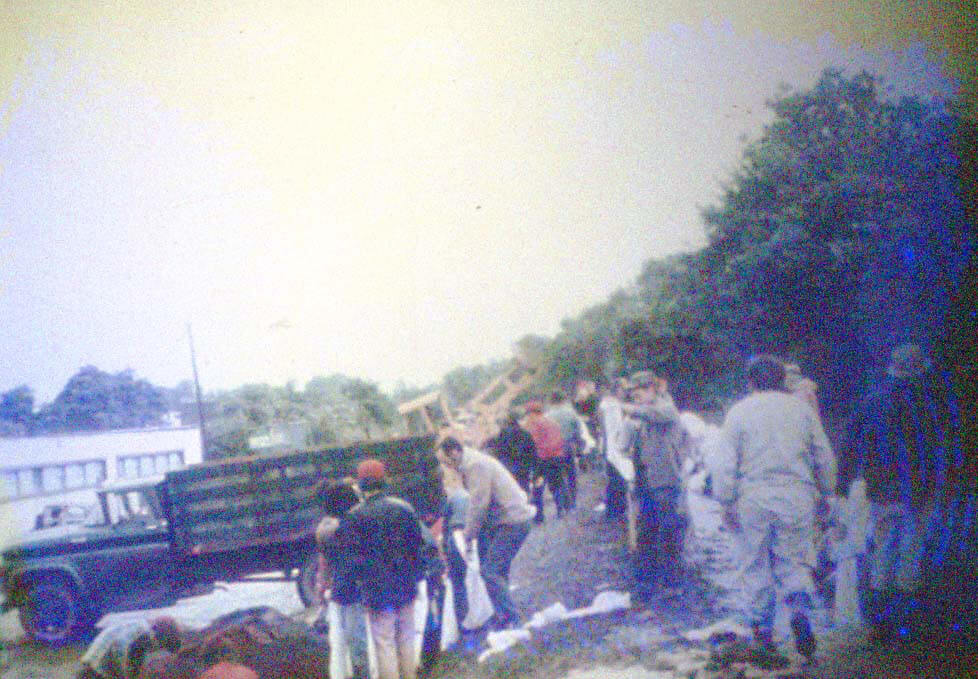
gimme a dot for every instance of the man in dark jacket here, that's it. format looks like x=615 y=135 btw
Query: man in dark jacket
x=337 y=497
x=650 y=431
x=905 y=442
x=515 y=449
x=383 y=537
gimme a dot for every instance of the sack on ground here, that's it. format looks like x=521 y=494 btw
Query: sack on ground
x=480 y=605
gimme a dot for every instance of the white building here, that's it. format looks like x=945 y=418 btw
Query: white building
x=43 y=471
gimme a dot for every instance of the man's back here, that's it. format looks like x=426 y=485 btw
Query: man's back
x=495 y=497
x=385 y=539
x=904 y=439
x=565 y=417
x=515 y=449
x=546 y=437
x=776 y=440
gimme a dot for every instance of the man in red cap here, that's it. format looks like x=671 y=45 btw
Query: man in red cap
x=382 y=538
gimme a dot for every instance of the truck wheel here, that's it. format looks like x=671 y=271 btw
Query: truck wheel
x=306 y=580
x=52 y=612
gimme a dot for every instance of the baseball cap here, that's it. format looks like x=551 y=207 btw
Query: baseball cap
x=371 y=470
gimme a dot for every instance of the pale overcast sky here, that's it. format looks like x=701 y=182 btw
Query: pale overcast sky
x=386 y=192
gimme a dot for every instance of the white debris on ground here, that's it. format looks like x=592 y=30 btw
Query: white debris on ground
x=633 y=672
x=548 y=615
x=199 y=611
x=719 y=628
x=503 y=639
x=604 y=602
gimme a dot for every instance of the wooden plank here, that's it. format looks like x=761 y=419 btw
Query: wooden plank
x=272 y=523
x=257 y=509
x=190 y=495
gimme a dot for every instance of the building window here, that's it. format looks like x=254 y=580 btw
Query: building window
x=50 y=479
x=149 y=464
x=94 y=473
x=9 y=488
x=28 y=482
x=129 y=467
x=53 y=478
x=74 y=476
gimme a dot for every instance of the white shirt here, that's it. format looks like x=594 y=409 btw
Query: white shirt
x=612 y=423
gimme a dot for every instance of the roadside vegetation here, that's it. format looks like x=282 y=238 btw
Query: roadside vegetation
x=845 y=230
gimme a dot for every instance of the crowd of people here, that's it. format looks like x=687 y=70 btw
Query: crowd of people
x=772 y=470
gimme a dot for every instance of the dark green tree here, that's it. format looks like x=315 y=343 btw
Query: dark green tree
x=94 y=400
x=841 y=234
x=373 y=408
x=17 y=411
x=463 y=383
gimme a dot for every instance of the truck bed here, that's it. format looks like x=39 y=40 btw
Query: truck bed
x=261 y=501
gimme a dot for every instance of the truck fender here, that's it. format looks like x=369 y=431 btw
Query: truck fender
x=17 y=578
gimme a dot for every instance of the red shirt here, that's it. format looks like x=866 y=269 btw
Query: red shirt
x=546 y=437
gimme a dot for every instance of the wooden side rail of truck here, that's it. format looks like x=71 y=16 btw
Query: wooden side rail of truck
x=218 y=521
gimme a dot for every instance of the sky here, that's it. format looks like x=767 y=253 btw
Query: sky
x=386 y=191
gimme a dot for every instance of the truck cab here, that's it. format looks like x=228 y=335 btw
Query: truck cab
x=62 y=580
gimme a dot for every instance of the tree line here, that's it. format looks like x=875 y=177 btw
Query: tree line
x=845 y=230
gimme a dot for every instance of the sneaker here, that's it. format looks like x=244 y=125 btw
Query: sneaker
x=804 y=638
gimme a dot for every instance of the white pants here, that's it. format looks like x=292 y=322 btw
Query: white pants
x=394 y=642
x=778 y=551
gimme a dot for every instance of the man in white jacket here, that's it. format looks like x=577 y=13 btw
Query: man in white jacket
x=499 y=517
x=620 y=469
x=775 y=470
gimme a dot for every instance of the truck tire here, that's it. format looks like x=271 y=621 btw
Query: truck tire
x=306 y=580
x=52 y=612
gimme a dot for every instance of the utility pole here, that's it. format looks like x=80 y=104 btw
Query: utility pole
x=200 y=401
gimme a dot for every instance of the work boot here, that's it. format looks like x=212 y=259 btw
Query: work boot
x=804 y=638
x=763 y=637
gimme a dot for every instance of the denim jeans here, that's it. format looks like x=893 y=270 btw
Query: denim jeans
x=660 y=536
x=456 y=573
x=614 y=499
x=552 y=471
x=498 y=546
